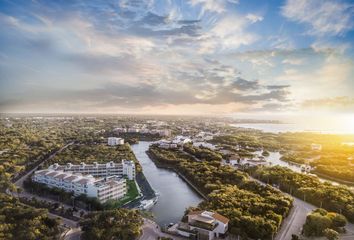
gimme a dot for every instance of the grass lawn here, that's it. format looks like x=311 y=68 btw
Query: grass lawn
x=131 y=195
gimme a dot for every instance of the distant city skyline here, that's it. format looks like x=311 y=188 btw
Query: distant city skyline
x=268 y=59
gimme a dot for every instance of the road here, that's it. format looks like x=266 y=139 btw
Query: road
x=73 y=234
x=297 y=217
x=65 y=221
x=151 y=231
x=19 y=182
x=293 y=223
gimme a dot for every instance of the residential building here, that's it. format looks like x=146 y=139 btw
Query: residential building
x=316 y=147
x=113 y=141
x=125 y=168
x=204 y=144
x=103 y=189
x=204 y=225
x=181 y=140
x=120 y=130
x=133 y=130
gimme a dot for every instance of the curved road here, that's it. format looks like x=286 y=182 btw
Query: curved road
x=19 y=182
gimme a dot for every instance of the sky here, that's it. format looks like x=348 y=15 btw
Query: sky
x=221 y=57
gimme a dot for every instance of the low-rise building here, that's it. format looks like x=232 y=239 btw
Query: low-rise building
x=204 y=225
x=113 y=141
x=124 y=168
x=103 y=189
x=181 y=140
x=316 y=147
x=204 y=144
x=120 y=130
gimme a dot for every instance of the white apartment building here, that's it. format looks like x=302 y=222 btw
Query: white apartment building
x=125 y=168
x=113 y=141
x=101 y=188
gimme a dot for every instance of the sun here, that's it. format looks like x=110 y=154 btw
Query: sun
x=348 y=123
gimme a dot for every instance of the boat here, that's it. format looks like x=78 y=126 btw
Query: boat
x=147 y=204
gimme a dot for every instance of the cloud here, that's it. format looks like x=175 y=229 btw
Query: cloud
x=326 y=17
x=342 y=103
x=254 y=18
x=228 y=33
x=272 y=87
x=242 y=84
x=132 y=55
x=293 y=61
x=218 y=6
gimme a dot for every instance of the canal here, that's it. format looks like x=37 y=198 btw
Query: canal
x=174 y=194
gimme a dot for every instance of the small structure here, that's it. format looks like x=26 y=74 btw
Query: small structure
x=316 y=147
x=203 y=225
x=234 y=159
x=204 y=144
x=113 y=141
x=181 y=140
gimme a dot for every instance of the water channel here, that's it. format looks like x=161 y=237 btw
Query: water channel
x=174 y=194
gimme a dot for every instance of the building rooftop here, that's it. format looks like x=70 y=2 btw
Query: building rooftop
x=205 y=215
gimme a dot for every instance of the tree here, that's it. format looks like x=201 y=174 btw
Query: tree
x=331 y=234
x=120 y=224
x=338 y=220
x=315 y=224
x=295 y=237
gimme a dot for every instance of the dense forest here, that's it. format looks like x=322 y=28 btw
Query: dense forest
x=21 y=222
x=325 y=195
x=98 y=152
x=120 y=224
x=254 y=210
x=322 y=223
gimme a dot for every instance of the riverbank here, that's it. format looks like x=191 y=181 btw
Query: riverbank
x=171 y=189
x=172 y=168
x=326 y=177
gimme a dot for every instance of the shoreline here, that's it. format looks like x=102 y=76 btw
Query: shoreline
x=173 y=169
x=330 y=178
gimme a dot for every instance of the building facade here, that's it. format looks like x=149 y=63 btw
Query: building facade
x=102 y=188
x=113 y=141
x=125 y=168
x=204 y=225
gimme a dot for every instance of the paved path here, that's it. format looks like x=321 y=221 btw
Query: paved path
x=151 y=231
x=19 y=182
x=293 y=223
x=73 y=234
x=297 y=217
x=65 y=221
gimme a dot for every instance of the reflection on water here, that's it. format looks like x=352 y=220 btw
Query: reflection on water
x=174 y=194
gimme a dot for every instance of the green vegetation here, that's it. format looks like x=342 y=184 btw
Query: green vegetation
x=202 y=153
x=121 y=224
x=323 y=223
x=89 y=153
x=254 y=210
x=21 y=222
x=335 y=160
x=309 y=188
x=170 y=156
x=331 y=234
x=24 y=143
x=132 y=194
